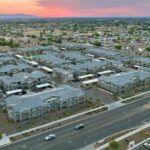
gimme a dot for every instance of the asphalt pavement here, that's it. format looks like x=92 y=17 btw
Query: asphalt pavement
x=96 y=128
x=141 y=146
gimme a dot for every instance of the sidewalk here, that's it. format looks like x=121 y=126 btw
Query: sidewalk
x=89 y=147
x=4 y=141
x=135 y=96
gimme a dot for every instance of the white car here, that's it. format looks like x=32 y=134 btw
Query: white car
x=147 y=145
x=50 y=137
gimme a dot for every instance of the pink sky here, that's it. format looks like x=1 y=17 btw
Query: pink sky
x=68 y=8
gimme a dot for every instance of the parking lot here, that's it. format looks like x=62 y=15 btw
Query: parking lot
x=94 y=93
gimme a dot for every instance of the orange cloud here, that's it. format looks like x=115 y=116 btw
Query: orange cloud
x=20 y=6
x=69 y=8
x=63 y=12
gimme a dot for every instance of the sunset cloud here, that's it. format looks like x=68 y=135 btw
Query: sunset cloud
x=20 y=6
x=68 y=8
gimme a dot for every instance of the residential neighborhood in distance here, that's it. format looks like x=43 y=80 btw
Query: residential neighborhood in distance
x=80 y=82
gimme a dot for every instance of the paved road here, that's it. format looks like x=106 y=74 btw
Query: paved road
x=141 y=147
x=97 y=127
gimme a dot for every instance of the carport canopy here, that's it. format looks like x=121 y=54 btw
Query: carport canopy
x=85 y=76
x=90 y=81
x=43 y=85
x=14 y=91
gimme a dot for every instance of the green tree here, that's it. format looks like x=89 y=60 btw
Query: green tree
x=1 y=136
x=97 y=43
x=98 y=100
x=114 y=145
x=147 y=49
x=119 y=47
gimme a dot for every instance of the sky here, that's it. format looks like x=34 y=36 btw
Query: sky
x=76 y=8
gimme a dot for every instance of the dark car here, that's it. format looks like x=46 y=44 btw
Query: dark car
x=79 y=126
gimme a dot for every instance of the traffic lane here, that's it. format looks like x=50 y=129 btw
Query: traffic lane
x=142 y=147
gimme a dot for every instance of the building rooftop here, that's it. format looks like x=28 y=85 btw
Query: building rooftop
x=125 y=77
x=22 y=77
x=53 y=59
x=61 y=71
x=86 y=65
x=142 y=59
x=75 y=56
x=8 y=68
x=24 y=103
x=102 y=51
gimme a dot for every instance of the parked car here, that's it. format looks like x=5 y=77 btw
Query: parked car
x=50 y=137
x=79 y=126
x=147 y=145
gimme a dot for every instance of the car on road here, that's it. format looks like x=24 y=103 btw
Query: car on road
x=50 y=137
x=147 y=145
x=79 y=126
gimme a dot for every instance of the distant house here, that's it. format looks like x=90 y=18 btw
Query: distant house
x=52 y=61
x=62 y=74
x=72 y=46
x=87 y=67
x=103 y=53
x=75 y=57
x=141 y=61
x=7 y=60
x=14 y=69
x=34 y=51
x=21 y=108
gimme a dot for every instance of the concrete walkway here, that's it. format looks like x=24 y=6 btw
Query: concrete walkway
x=4 y=141
x=89 y=147
x=115 y=105
x=135 y=96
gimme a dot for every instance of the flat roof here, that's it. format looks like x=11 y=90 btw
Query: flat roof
x=104 y=72
x=136 y=66
x=85 y=76
x=47 y=69
x=91 y=55
x=13 y=91
x=33 y=63
x=125 y=77
x=90 y=81
x=19 y=56
x=42 y=85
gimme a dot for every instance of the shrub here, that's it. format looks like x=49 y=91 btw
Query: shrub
x=98 y=100
x=97 y=43
x=4 y=110
x=10 y=121
x=1 y=136
x=12 y=139
x=114 y=145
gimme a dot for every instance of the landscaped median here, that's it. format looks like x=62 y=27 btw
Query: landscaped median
x=124 y=140
x=57 y=123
